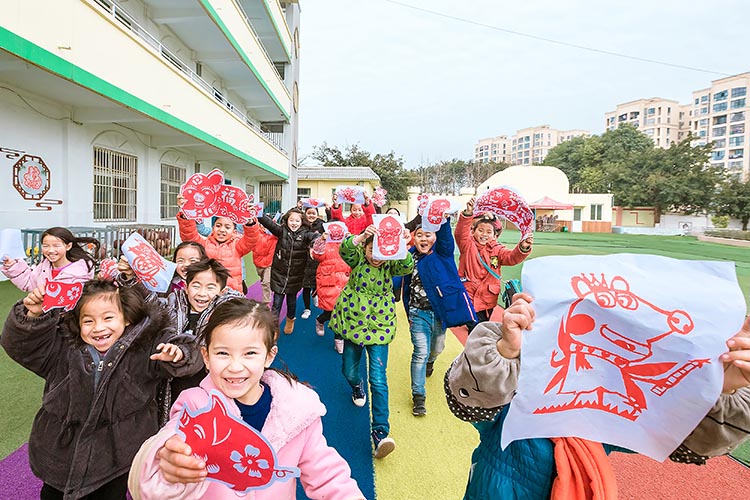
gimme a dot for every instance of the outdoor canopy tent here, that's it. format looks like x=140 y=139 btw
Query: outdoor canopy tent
x=548 y=203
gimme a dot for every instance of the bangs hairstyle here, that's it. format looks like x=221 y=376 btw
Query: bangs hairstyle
x=243 y=312
x=221 y=272
x=295 y=210
x=186 y=244
x=76 y=251
x=490 y=219
x=127 y=299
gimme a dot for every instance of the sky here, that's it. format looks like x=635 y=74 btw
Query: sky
x=388 y=77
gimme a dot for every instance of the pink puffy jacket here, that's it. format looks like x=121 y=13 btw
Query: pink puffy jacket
x=28 y=278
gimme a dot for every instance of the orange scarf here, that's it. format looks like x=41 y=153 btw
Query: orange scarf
x=583 y=471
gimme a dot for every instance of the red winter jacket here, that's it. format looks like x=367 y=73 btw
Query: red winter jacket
x=264 y=247
x=355 y=225
x=332 y=275
x=229 y=253
x=484 y=289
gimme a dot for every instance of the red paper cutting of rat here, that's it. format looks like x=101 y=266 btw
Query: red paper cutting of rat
x=236 y=454
x=201 y=192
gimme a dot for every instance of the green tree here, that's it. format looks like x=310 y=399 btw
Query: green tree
x=733 y=199
x=393 y=176
x=450 y=176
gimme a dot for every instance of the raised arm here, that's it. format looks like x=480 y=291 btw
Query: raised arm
x=249 y=239
x=271 y=225
x=444 y=244
x=20 y=274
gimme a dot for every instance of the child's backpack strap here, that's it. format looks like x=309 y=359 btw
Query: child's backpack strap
x=511 y=288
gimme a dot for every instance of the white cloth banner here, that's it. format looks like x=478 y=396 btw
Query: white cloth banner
x=389 y=243
x=624 y=350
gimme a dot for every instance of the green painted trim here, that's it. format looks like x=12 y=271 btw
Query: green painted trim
x=215 y=16
x=278 y=30
x=16 y=45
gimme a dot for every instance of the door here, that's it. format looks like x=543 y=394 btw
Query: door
x=577 y=224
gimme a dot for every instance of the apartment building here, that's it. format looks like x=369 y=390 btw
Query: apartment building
x=529 y=146
x=107 y=106
x=720 y=116
x=656 y=117
x=493 y=149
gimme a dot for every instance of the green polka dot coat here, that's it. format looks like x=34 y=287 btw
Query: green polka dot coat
x=365 y=312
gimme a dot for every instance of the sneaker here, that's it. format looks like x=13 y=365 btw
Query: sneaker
x=315 y=301
x=430 y=367
x=418 y=408
x=359 y=398
x=320 y=328
x=384 y=445
x=305 y=314
x=338 y=344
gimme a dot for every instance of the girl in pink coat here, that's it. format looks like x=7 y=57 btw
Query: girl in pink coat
x=238 y=351
x=64 y=261
x=332 y=276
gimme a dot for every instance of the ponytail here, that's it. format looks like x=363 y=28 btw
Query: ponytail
x=76 y=251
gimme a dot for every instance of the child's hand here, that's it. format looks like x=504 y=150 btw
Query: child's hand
x=169 y=353
x=8 y=262
x=737 y=360
x=177 y=463
x=181 y=200
x=124 y=267
x=33 y=301
x=525 y=245
x=406 y=235
x=517 y=318
x=470 y=207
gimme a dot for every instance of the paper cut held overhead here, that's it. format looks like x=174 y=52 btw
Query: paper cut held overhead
x=61 y=295
x=207 y=195
x=152 y=269
x=506 y=203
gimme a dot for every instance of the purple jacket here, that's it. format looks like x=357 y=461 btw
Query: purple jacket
x=293 y=428
x=28 y=278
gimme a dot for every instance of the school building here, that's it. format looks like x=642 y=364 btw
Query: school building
x=107 y=106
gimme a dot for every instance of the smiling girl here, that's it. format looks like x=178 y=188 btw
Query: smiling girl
x=239 y=349
x=100 y=384
x=64 y=261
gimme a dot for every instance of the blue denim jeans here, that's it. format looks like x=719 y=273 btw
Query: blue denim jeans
x=428 y=339
x=377 y=358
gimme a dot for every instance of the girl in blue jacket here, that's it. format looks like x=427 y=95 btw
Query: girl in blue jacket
x=436 y=300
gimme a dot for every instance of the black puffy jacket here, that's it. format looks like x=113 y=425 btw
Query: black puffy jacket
x=290 y=256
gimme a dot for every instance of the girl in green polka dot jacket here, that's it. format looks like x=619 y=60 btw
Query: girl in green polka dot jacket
x=365 y=316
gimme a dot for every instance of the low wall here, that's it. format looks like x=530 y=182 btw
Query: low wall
x=725 y=241
x=660 y=231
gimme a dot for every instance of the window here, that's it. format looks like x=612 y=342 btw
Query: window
x=704 y=98
x=719 y=131
x=115 y=180
x=735 y=165
x=738 y=103
x=720 y=143
x=596 y=212
x=622 y=117
x=717 y=155
x=303 y=193
x=736 y=153
x=704 y=110
x=172 y=178
x=739 y=92
x=649 y=121
x=737 y=129
x=702 y=133
x=718 y=108
x=649 y=131
x=737 y=117
x=721 y=96
x=270 y=196
x=634 y=115
x=736 y=141
x=703 y=122
x=719 y=120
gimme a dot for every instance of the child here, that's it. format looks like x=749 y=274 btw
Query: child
x=262 y=259
x=332 y=277
x=239 y=341
x=364 y=316
x=435 y=299
x=289 y=261
x=308 y=282
x=186 y=253
x=64 y=261
x=527 y=468
x=412 y=225
x=360 y=217
x=482 y=256
x=222 y=245
x=100 y=383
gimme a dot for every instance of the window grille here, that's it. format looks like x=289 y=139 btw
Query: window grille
x=115 y=183
x=172 y=178
x=270 y=195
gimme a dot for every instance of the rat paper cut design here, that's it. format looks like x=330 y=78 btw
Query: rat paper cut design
x=625 y=349
x=434 y=213
x=61 y=295
x=108 y=269
x=622 y=356
x=379 y=196
x=422 y=199
x=236 y=454
x=388 y=243
x=506 y=203
x=202 y=194
x=336 y=230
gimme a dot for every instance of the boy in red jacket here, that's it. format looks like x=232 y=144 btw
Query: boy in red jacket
x=360 y=217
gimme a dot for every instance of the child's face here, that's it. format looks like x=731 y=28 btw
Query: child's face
x=357 y=211
x=294 y=221
x=102 y=322
x=392 y=211
x=311 y=214
x=368 y=255
x=186 y=256
x=223 y=229
x=424 y=240
x=236 y=358
x=54 y=249
x=483 y=233
x=204 y=287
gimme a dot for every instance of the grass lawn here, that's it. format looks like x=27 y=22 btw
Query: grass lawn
x=20 y=396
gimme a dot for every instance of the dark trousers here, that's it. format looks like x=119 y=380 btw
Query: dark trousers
x=306 y=294
x=113 y=490
x=291 y=303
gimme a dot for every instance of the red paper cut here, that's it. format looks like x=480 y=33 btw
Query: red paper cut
x=108 y=269
x=234 y=204
x=202 y=194
x=63 y=295
x=508 y=204
x=350 y=194
x=616 y=358
x=436 y=213
x=389 y=234
x=423 y=199
x=336 y=230
x=235 y=454
x=378 y=197
x=312 y=202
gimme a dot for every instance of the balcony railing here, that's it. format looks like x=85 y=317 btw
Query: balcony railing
x=120 y=15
